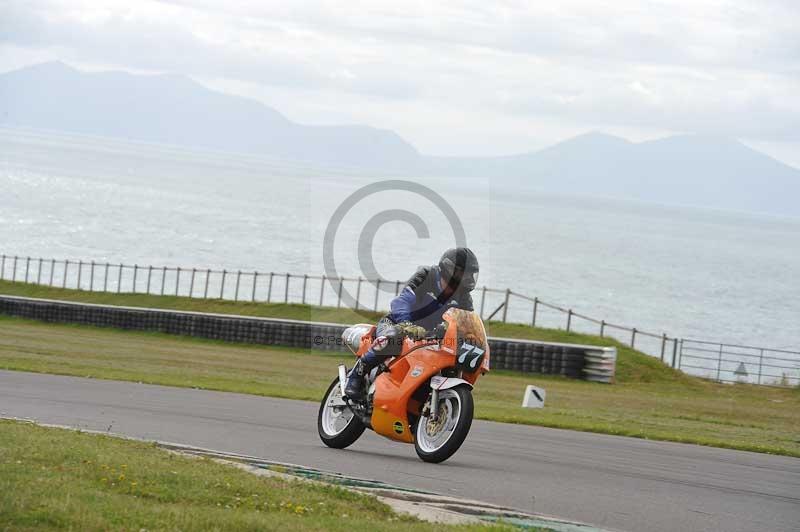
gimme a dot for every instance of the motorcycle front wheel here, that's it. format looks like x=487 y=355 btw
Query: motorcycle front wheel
x=337 y=425
x=436 y=441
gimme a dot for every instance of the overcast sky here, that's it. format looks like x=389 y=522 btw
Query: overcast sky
x=458 y=77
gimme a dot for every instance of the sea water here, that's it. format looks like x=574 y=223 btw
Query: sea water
x=680 y=270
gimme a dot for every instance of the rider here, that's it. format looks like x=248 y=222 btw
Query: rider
x=418 y=309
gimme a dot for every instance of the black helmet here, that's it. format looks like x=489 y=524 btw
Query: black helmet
x=459 y=266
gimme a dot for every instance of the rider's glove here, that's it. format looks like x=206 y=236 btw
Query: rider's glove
x=412 y=331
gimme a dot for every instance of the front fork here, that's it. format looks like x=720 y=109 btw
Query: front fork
x=434 y=404
x=431 y=410
x=342 y=378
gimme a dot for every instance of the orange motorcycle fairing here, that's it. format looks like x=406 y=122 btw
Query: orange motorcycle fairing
x=393 y=401
x=470 y=329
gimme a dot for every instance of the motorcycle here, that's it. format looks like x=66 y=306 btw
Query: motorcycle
x=422 y=396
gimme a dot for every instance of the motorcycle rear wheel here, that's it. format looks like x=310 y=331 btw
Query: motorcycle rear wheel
x=338 y=426
x=437 y=441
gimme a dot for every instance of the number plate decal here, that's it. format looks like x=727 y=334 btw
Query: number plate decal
x=469 y=356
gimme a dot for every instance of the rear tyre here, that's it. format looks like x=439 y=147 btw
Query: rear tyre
x=437 y=441
x=337 y=425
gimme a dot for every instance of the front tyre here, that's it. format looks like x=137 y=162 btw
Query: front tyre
x=337 y=425
x=436 y=441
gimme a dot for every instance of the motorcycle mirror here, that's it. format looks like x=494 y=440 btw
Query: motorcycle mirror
x=440 y=330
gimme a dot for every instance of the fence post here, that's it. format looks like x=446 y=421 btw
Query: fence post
x=191 y=282
x=633 y=337
x=222 y=286
x=569 y=319
x=535 y=309
x=255 y=283
x=27 y=268
x=286 y=289
x=135 y=272
x=397 y=288
x=674 y=352
x=163 y=279
x=177 y=280
x=602 y=327
x=149 y=276
x=14 y=276
x=64 y=280
x=39 y=272
x=91 y=277
x=80 y=271
x=358 y=291
x=505 y=304
x=760 y=362
x=208 y=278
x=305 y=284
x=321 y=289
x=269 y=288
x=119 y=279
x=483 y=299
x=339 y=297
x=377 y=292
x=52 y=267
x=719 y=362
x=105 y=279
x=3 y=268
x=663 y=345
x=238 y=278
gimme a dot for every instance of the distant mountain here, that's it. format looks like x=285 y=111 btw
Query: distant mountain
x=176 y=110
x=687 y=169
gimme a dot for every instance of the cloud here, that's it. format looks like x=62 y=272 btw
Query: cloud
x=715 y=67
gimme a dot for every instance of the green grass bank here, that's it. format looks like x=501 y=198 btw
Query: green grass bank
x=56 y=479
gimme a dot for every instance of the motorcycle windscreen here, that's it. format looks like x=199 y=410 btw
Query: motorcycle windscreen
x=472 y=351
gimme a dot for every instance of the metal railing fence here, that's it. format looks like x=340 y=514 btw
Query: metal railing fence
x=739 y=363
x=718 y=361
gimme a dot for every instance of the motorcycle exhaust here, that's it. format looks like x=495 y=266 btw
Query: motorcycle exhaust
x=342 y=378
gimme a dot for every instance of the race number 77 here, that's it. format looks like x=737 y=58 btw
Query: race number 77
x=469 y=355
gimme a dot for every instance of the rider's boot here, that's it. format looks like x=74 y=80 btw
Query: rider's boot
x=354 y=389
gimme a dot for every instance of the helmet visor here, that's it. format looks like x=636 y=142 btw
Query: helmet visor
x=462 y=280
x=469 y=281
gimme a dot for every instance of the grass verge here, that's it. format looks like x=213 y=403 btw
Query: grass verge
x=649 y=401
x=61 y=479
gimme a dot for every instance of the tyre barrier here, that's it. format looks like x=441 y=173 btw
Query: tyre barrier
x=586 y=362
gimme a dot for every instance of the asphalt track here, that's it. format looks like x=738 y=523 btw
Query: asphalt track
x=608 y=481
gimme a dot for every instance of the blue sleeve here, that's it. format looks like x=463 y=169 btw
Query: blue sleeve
x=402 y=305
